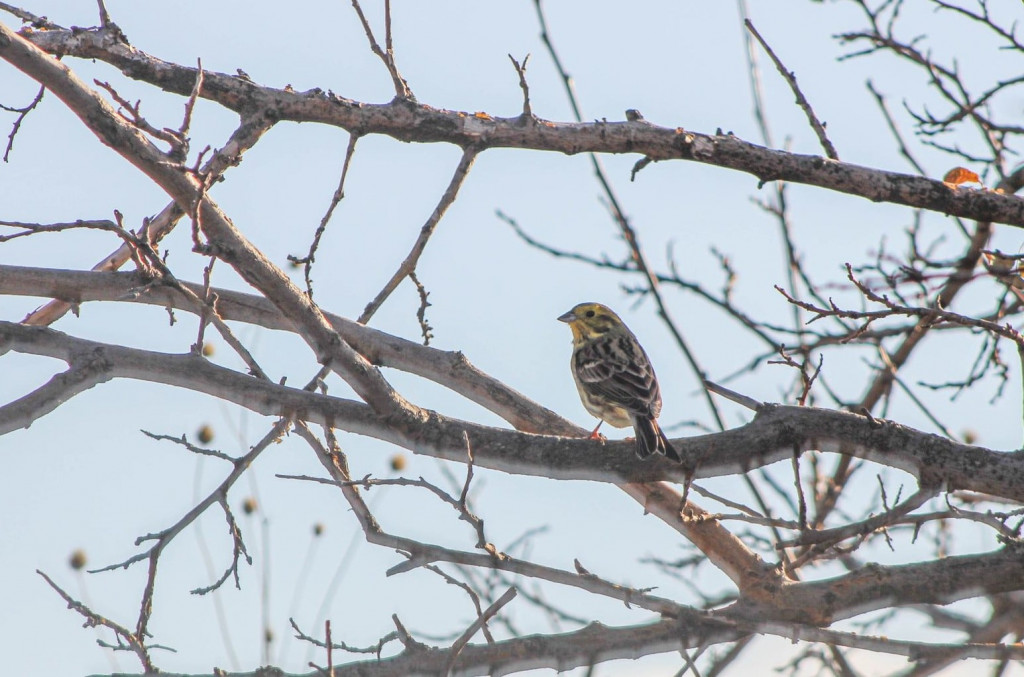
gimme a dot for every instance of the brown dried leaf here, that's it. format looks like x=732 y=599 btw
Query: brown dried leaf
x=958 y=175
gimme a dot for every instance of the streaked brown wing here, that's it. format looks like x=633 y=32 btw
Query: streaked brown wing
x=617 y=368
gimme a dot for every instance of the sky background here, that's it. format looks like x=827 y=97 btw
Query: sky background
x=85 y=477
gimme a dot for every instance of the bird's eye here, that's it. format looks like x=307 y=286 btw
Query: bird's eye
x=590 y=313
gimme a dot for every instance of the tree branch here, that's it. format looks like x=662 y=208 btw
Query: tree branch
x=417 y=122
x=448 y=367
x=227 y=242
x=772 y=436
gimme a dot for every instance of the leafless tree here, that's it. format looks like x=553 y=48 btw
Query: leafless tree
x=797 y=555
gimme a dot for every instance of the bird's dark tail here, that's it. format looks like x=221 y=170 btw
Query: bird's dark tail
x=651 y=439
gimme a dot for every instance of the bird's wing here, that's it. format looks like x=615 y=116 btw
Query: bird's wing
x=617 y=368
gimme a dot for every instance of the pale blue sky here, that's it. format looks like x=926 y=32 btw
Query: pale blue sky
x=84 y=477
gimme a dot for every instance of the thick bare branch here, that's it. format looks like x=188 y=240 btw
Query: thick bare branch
x=772 y=436
x=820 y=603
x=416 y=122
x=448 y=367
x=226 y=241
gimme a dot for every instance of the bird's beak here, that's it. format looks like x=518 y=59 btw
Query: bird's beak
x=568 y=317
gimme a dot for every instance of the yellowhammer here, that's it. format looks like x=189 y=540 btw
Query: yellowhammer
x=615 y=378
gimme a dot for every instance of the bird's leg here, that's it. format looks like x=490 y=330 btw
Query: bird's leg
x=593 y=433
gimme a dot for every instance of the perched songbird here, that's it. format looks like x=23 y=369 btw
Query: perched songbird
x=615 y=378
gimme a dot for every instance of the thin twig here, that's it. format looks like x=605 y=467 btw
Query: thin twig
x=790 y=78
x=136 y=642
x=412 y=258
x=521 y=71
x=309 y=259
x=22 y=114
x=474 y=627
x=402 y=90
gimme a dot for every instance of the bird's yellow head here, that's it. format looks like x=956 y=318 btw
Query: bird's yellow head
x=590 y=320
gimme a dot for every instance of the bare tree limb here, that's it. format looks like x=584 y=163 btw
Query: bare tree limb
x=771 y=436
x=227 y=242
x=425 y=124
x=452 y=368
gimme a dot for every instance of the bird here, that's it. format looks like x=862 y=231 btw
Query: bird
x=615 y=378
